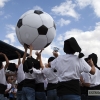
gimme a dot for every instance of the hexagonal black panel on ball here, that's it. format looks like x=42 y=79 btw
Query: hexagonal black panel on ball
x=38 y=12
x=42 y=30
x=19 y=24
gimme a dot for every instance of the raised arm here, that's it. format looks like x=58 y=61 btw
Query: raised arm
x=40 y=58
x=19 y=58
x=31 y=48
x=6 y=59
x=24 y=56
x=90 y=62
x=55 y=54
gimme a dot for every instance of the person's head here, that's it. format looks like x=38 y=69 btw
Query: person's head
x=29 y=64
x=12 y=67
x=9 y=79
x=50 y=60
x=94 y=58
x=71 y=46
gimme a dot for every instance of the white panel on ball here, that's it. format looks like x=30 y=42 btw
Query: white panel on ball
x=18 y=36
x=40 y=42
x=32 y=20
x=51 y=34
x=27 y=35
x=47 y=20
x=27 y=13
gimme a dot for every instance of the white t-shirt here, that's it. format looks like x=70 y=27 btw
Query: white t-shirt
x=3 y=77
x=8 y=87
x=45 y=83
x=50 y=75
x=69 y=67
x=40 y=77
x=33 y=75
x=20 y=73
x=94 y=80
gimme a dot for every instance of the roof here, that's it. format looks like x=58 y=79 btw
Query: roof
x=9 y=50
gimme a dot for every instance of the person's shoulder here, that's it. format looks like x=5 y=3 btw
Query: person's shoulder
x=2 y=69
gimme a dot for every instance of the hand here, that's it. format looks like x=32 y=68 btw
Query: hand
x=38 y=54
x=19 y=55
x=25 y=46
x=2 y=53
x=46 y=65
x=55 y=54
x=31 y=47
x=90 y=62
x=81 y=80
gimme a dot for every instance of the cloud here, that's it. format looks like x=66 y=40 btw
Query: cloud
x=10 y=27
x=37 y=8
x=1 y=12
x=89 y=41
x=7 y=41
x=2 y=3
x=66 y=8
x=7 y=16
x=93 y=3
x=96 y=7
x=63 y=22
x=11 y=35
x=83 y=3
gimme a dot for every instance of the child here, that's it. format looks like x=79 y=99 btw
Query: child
x=21 y=74
x=91 y=82
x=28 y=90
x=3 y=83
x=39 y=86
x=69 y=68
x=52 y=79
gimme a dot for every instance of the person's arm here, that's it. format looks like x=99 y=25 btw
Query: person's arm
x=36 y=55
x=24 y=56
x=7 y=90
x=84 y=83
x=92 y=71
x=6 y=59
x=31 y=48
x=40 y=59
x=55 y=54
x=19 y=57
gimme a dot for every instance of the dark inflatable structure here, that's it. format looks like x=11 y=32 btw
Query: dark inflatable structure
x=9 y=50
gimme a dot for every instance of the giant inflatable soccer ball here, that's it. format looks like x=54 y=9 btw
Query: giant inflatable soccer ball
x=37 y=28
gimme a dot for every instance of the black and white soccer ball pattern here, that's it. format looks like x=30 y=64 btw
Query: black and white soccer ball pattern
x=37 y=28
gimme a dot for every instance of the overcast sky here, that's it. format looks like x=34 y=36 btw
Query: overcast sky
x=73 y=18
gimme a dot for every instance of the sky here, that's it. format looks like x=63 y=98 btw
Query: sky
x=73 y=18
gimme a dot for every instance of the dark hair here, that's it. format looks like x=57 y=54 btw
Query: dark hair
x=12 y=67
x=0 y=64
x=71 y=46
x=51 y=59
x=94 y=58
x=29 y=63
x=67 y=48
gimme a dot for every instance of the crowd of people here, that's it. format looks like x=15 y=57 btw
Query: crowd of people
x=64 y=77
